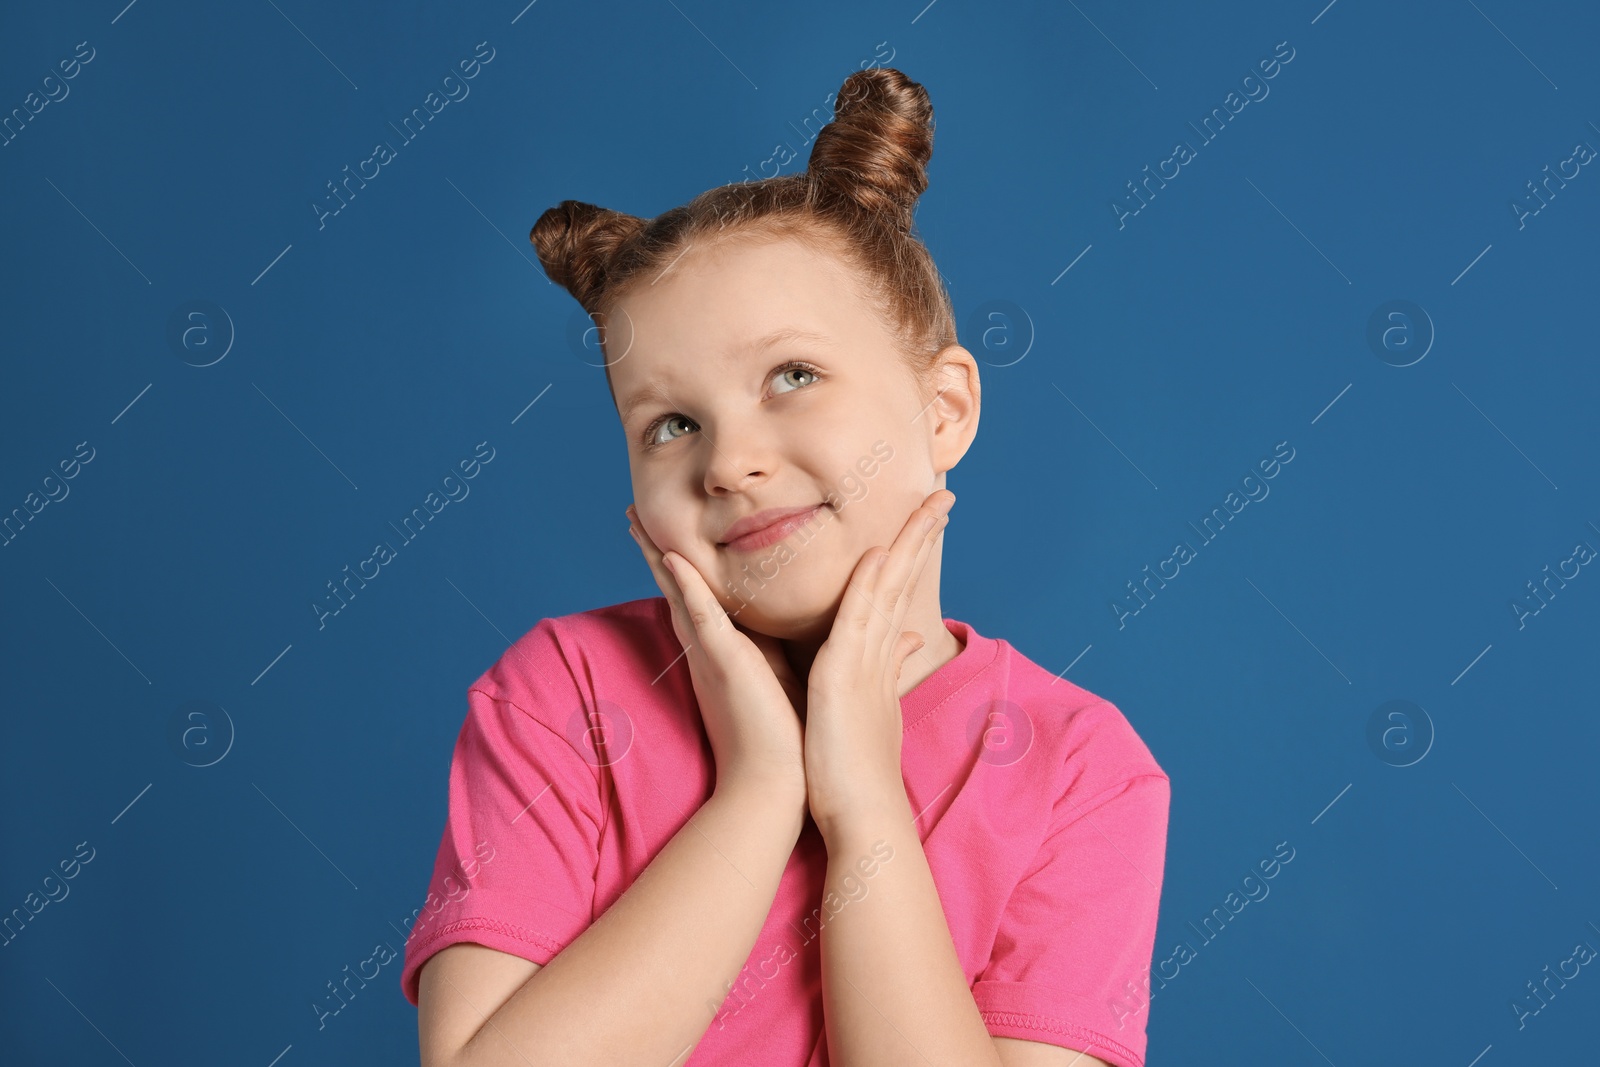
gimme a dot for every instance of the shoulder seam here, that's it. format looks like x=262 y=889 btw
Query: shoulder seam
x=1083 y=809
x=1093 y=802
x=546 y=727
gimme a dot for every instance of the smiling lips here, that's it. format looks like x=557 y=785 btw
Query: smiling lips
x=766 y=528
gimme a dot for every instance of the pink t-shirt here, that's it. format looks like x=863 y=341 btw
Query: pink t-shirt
x=1043 y=817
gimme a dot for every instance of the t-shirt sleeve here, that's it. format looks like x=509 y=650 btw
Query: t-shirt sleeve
x=1077 y=935
x=515 y=870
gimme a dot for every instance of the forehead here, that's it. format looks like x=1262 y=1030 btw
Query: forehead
x=709 y=310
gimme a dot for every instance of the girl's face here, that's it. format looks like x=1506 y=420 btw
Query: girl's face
x=721 y=424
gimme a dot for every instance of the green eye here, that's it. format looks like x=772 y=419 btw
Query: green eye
x=653 y=435
x=653 y=438
x=793 y=368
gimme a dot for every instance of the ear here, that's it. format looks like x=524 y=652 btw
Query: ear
x=954 y=406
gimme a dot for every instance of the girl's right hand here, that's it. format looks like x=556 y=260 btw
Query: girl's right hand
x=742 y=680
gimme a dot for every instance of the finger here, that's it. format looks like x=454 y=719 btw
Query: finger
x=664 y=580
x=702 y=623
x=892 y=583
x=709 y=620
x=858 y=610
x=684 y=589
x=916 y=537
x=865 y=611
x=918 y=565
x=910 y=641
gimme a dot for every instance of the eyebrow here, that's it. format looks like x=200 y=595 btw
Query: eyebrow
x=785 y=335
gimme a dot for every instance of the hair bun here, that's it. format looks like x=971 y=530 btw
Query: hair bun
x=875 y=151
x=575 y=242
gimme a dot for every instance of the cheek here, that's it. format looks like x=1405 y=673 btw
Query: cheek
x=662 y=519
x=886 y=508
x=674 y=527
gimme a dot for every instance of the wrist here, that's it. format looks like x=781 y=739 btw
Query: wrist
x=864 y=823
x=762 y=792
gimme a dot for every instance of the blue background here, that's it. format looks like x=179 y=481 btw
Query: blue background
x=1124 y=398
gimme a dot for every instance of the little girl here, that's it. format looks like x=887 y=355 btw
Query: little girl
x=786 y=813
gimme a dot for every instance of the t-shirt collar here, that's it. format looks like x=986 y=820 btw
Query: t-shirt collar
x=979 y=654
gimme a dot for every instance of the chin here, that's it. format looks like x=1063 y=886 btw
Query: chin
x=790 y=608
x=811 y=628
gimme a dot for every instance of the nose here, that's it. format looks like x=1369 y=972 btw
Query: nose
x=737 y=456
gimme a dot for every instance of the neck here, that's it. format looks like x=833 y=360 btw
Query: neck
x=940 y=647
x=923 y=616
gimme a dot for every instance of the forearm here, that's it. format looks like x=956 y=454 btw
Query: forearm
x=893 y=990
x=643 y=982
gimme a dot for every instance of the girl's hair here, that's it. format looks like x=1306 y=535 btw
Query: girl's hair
x=855 y=199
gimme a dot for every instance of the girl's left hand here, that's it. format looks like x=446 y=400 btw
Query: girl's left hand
x=853 y=727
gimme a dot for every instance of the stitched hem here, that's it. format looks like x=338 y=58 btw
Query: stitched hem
x=1092 y=1042
x=978 y=672
x=517 y=933
x=506 y=937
